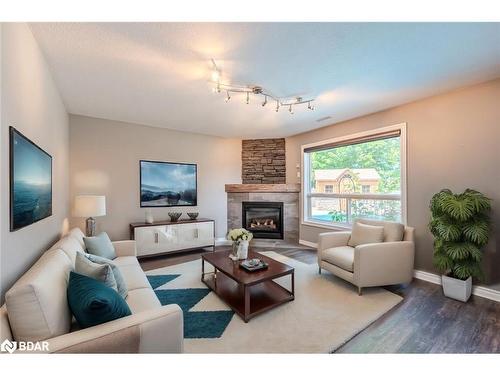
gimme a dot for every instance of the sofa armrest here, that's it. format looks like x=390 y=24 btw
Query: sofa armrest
x=331 y=239
x=125 y=248
x=384 y=263
x=158 y=330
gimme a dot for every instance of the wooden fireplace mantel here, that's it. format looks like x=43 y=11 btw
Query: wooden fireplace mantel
x=262 y=188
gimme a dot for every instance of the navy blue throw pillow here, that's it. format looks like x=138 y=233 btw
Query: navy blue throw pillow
x=92 y=302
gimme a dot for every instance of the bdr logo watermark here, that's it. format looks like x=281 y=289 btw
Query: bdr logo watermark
x=24 y=346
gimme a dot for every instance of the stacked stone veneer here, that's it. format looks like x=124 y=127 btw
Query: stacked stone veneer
x=263 y=161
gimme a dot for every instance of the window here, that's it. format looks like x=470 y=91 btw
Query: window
x=365 y=174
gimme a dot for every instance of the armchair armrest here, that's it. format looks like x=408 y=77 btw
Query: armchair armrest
x=384 y=263
x=158 y=330
x=125 y=248
x=331 y=239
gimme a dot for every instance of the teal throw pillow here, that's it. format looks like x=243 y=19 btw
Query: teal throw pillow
x=93 y=303
x=120 y=281
x=100 y=245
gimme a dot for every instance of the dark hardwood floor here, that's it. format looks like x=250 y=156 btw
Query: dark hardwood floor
x=424 y=322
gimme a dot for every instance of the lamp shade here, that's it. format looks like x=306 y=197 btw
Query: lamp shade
x=90 y=205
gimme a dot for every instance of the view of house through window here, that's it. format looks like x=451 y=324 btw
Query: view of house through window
x=359 y=180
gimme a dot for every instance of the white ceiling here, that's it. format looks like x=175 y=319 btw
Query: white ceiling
x=157 y=73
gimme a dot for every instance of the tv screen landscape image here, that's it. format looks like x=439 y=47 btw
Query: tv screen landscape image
x=30 y=182
x=165 y=184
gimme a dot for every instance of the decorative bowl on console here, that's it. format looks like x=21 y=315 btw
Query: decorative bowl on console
x=193 y=215
x=174 y=216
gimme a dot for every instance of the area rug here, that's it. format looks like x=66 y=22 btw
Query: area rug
x=325 y=314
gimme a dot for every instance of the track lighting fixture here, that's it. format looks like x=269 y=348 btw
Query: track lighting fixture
x=255 y=90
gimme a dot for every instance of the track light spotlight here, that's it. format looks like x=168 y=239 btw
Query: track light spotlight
x=248 y=97
x=265 y=101
x=228 y=97
x=215 y=75
x=277 y=106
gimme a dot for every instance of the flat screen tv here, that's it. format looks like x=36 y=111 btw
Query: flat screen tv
x=165 y=184
x=30 y=182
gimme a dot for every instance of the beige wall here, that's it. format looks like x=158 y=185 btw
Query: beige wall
x=105 y=160
x=31 y=103
x=453 y=142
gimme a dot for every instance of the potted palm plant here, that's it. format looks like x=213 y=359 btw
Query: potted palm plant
x=461 y=226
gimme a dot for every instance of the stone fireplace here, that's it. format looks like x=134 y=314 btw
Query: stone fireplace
x=264 y=198
x=264 y=204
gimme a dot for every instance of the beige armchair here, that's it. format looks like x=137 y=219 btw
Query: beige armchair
x=373 y=264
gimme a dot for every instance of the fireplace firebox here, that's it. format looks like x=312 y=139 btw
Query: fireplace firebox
x=263 y=219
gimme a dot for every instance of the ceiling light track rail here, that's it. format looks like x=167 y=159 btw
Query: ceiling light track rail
x=229 y=89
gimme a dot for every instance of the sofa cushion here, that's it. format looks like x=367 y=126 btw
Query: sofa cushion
x=342 y=256
x=100 y=245
x=36 y=304
x=392 y=231
x=94 y=303
x=363 y=234
x=97 y=271
x=121 y=285
x=126 y=261
x=142 y=299
x=70 y=245
x=134 y=277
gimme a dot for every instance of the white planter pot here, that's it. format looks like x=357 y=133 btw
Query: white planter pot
x=243 y=250
x=456 y=288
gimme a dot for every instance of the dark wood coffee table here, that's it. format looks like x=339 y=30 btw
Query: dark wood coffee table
x=247 y=293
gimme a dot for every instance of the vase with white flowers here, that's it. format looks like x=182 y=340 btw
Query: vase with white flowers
x=241 y=239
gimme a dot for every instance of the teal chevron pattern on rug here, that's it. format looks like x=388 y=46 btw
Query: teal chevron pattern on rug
x=197 y=324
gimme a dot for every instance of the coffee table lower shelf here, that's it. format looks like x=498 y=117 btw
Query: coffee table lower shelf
x=259 y=297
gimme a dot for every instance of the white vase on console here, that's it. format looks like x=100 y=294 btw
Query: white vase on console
x=149 y=217
x=243 y=249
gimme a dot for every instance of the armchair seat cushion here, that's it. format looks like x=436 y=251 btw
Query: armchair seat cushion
x=342 y=256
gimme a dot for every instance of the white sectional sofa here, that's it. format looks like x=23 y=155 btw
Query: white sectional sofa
x=36 y=308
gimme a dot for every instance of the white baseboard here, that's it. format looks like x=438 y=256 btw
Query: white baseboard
x=308 y=244
x=222 y=241
x=427 y=276
x=479 y=291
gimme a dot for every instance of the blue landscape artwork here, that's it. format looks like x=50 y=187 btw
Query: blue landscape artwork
x=168 y=184
x=30 y=182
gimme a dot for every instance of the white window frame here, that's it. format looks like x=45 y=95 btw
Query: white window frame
x=305 y=173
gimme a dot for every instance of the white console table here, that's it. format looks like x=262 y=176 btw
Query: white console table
x=168 y=236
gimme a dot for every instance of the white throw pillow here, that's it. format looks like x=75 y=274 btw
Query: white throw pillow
x=99 y=272
x=362 y=234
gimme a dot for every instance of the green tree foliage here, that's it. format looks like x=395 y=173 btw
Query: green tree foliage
x=460 y=225
x=383 y=155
